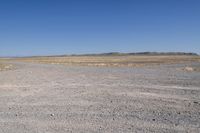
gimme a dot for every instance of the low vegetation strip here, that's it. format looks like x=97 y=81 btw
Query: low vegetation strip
x=117 y=61
x=4 y=65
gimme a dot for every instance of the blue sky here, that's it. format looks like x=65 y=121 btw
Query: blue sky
x=45 y=27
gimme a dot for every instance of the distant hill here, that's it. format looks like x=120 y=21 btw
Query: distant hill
x=137 y=53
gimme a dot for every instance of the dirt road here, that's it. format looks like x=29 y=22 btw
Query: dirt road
x=38 y=98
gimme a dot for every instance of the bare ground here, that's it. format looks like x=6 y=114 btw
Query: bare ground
x=41 y=98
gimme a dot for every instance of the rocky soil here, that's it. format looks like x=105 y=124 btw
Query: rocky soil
x=38 y=98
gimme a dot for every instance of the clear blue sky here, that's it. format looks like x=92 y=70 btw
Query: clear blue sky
x=45 y=27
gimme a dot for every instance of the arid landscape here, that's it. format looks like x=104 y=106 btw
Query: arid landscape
x=100 y=94
x=99 y=66
x=113 y=61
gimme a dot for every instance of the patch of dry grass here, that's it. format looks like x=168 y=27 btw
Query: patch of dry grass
x=191 y=69
x=4 y=65
x=116 y=61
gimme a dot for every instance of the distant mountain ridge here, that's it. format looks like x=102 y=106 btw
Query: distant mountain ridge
x=136 y=53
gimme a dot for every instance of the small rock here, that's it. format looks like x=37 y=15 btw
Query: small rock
x=195 y=102
x=189 y=69
x=52 y=114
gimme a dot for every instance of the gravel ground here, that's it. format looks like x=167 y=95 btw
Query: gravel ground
x=38 y=98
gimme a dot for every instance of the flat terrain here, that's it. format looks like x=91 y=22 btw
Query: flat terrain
x=113 y=61
x=161 y=96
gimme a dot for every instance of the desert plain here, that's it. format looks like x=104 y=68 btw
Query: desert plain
x=131 y=94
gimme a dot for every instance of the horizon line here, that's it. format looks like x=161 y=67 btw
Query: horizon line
x=106 y=54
